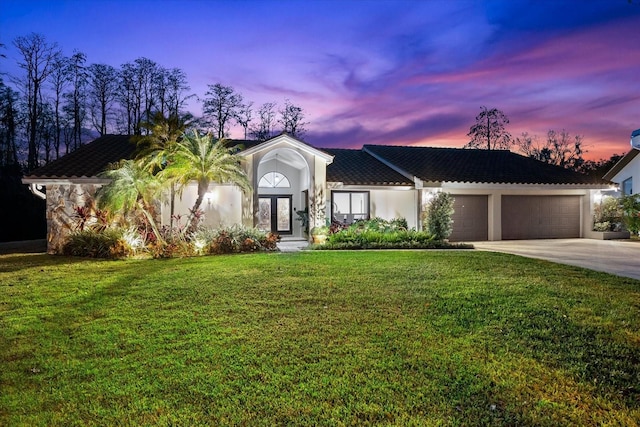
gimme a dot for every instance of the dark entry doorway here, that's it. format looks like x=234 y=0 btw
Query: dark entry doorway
x=275 y=213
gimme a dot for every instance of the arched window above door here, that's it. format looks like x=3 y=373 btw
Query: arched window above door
x=274 y=180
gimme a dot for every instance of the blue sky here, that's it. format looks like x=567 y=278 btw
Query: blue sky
x=381 y=72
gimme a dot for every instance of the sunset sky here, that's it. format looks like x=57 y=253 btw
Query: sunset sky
x=378 y=72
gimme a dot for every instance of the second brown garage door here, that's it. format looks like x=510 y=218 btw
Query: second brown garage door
x=470 y=218
x=540 y=217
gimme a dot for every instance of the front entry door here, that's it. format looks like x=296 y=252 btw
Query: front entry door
x=275 y=214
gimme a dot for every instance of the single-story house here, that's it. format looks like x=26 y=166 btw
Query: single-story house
x=498 y=194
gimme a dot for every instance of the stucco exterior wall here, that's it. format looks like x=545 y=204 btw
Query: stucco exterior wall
x=631 y=170
x=222 y=205
x=389 y=204
x=62 y=200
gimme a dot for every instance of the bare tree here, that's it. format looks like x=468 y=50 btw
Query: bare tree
x=221 y=105
x=38 y=57
x=489 y=131
x=528 y=145
x=147 y=87
x=138 y=93
x=558 y=149
x=102 y=90
x=127 y=98
x=243 y=117
x=291 y=117
x=59 y=80
x=266 y=115
x=8 y=125
x=46 y=130
x=176 y=87
x=76 y=106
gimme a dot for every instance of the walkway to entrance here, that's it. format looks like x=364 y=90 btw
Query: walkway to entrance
x=292 y=244
x=617 y=257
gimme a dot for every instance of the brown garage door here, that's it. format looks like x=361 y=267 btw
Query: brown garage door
x=470 y=218
x=540 y=217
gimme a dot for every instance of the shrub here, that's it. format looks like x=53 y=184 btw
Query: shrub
x=89 y=217
x=97 y=244
x=437 y=215
x=237 y=238
x=607 y=215
x=378 y=233
x=631 y=213
x=175 y=248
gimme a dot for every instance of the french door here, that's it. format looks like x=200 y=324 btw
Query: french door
x=274 y=213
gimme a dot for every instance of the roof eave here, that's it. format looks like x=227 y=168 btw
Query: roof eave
x=288 y=139
x=624 y=161
x=57 y=180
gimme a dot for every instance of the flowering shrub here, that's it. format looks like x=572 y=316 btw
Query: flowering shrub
x=607 y=215
x=233 y=239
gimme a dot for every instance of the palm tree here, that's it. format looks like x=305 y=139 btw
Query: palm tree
x=205 y=160
x=132 y=189
x=154 y=149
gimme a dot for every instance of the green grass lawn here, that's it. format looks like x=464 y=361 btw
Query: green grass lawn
x=318 y=338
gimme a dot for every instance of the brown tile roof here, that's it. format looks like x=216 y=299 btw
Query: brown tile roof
x=355 y=167
x=88 y=160
x=475 y=166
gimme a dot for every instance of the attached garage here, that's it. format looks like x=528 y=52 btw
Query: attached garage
x=540 y=217
x=470 y=218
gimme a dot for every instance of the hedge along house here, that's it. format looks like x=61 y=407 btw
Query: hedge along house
x=498 y=194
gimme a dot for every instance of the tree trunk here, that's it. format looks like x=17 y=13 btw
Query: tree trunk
x=202 y=189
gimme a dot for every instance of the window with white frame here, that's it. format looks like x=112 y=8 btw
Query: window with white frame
x=274 y=180
x=349 y=206
x=627 y=187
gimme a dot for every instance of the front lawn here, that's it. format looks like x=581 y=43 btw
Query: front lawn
x=317 y=338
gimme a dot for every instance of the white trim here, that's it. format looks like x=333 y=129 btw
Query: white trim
x=515 y=186
x=339 y=186
x=286 y=139
x=35 y=189
x=58 y=181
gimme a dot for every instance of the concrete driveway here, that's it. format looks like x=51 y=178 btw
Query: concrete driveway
x=611 y=256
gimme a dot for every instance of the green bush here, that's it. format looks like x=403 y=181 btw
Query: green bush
x=437 y=215
x=378 y=233
x=97 y=244
x=607 y=215
x=631 y=213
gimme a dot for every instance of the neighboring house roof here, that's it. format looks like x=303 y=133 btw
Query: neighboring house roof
x=474 y=166
x=615 y=170
x=355 y=167
x=88 y=160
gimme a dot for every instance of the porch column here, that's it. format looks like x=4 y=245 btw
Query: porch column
x=318 y=194
x=249 y=200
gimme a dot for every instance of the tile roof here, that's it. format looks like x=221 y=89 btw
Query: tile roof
x=355 y=167
x=88 y=160
x=475 y=166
